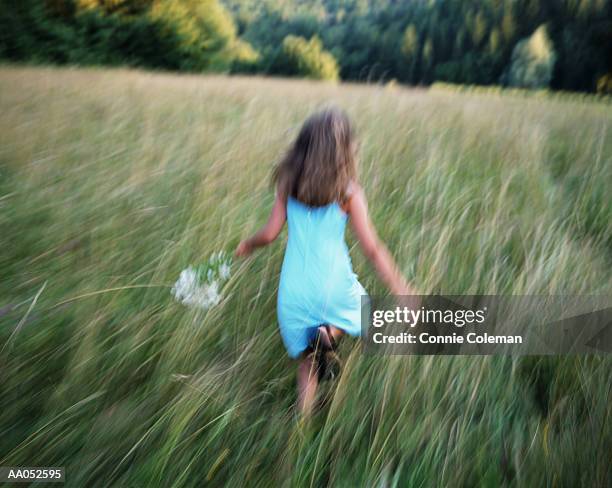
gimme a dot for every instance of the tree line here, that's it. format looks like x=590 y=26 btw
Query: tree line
x=558 y=44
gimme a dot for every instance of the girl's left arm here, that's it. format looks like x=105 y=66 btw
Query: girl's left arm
x=268 y=232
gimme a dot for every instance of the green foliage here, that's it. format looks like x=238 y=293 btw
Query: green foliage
x=494 y=42
x=370 y=40
x=410 y=50
x=205 y=29
x=479 y=29
x=133 y=41
x=410 y=42
x=307 y=58
x=469 y=42
x=533 y=60
x=187 y=35
x=113 y=6
x=244 y=58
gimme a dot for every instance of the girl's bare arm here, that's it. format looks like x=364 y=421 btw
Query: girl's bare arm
x=268 y=232
x=373 y=248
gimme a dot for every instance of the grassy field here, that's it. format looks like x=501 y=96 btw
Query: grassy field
x=112 y=182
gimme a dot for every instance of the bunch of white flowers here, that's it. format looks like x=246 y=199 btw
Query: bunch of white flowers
x=199 y=286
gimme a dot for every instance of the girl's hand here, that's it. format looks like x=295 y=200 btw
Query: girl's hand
x=407 y=290
x=244 y=249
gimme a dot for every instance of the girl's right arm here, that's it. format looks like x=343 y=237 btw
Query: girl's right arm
x=268 y=232
x=373 y=248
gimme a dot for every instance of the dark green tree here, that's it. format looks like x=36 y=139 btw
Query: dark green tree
x=410 y=50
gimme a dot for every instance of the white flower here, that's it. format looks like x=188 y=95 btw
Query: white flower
x=186 y=284
x=212 y=293
x=224 y=271
x=189 y=292
x=196 y=290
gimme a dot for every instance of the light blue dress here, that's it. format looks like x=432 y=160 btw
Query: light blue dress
x=317 y=282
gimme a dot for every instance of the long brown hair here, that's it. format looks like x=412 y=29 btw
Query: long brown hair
x=321 y=163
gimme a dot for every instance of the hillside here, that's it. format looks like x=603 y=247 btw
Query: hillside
x=113 y=181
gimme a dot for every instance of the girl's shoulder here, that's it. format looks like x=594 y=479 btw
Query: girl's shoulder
x=353 y=188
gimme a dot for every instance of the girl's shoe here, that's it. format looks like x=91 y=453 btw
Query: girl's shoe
x=332 y=366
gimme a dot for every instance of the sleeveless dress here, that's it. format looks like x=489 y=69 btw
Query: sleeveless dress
x=317 y=282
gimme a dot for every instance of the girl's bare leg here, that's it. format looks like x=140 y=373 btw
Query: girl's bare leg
x=307 y=383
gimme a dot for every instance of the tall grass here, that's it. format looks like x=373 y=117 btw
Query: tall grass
x=113 y=181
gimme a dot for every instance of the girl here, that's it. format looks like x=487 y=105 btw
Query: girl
x=319 y=296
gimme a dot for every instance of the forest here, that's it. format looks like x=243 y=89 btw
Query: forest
x=555 y=44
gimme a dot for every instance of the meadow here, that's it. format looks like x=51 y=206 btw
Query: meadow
x=113 y=181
